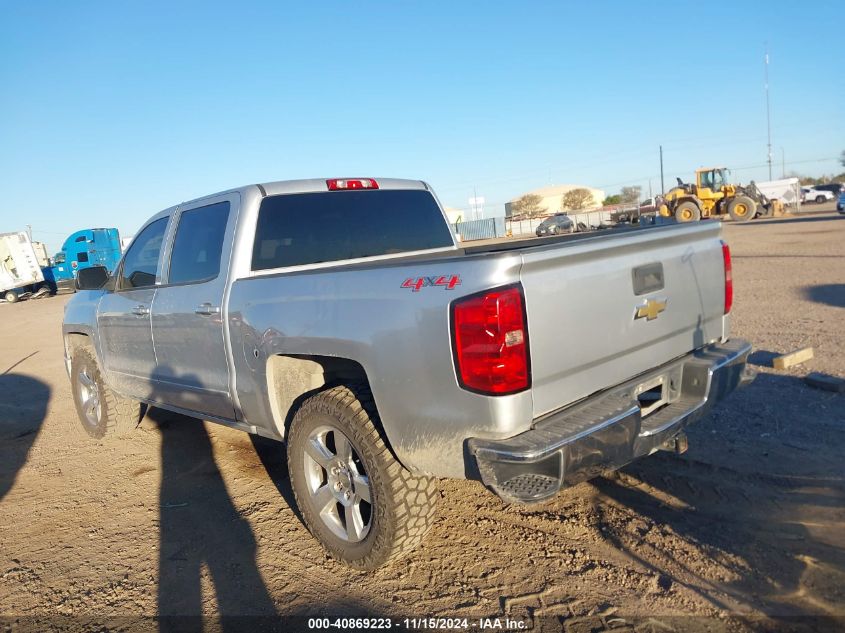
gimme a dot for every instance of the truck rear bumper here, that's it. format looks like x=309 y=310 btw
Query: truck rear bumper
x=612 y=428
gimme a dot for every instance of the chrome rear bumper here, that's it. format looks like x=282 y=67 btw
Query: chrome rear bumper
x=611 y=428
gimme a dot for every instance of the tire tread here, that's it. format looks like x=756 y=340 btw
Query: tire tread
x=411 y=499
x=121 y=415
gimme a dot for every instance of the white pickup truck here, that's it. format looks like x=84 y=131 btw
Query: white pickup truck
x=341 y=317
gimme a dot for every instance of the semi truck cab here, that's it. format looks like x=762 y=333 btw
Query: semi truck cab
x=83 y=249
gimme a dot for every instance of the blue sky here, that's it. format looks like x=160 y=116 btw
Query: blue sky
x=111 y=111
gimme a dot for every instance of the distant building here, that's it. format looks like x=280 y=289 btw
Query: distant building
x=455 y=215
x=553 y=196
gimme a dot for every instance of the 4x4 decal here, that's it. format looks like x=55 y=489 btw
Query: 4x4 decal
x=448 y=282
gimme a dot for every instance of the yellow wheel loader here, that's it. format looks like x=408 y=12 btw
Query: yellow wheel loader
x=714 y=195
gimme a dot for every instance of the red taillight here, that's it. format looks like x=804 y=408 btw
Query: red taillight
x=491 y=342
x=729 y=282
x=338 y=184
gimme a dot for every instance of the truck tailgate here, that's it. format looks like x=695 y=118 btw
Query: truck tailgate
x=583 y=300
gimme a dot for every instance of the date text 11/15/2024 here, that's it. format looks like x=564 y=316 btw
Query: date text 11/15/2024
x=418 y=624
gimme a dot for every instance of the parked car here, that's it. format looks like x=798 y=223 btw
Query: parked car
x=341 y=317
x=836 y=188
x=840 y=203
x=810 y=194
x=556 y=224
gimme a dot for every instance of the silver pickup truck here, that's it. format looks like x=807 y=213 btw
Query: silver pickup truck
x=342 y=317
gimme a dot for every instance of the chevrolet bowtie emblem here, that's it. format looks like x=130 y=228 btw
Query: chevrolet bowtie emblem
x=651 y=309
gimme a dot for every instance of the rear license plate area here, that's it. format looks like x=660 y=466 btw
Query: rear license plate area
x=652 y=395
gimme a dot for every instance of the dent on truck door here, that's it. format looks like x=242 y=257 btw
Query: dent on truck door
x=187 y=319
x=124 y=315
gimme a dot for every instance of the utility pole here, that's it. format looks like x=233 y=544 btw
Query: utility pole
x=662 y=186
x=782 y=163
x=29 y=231
x=768 y=112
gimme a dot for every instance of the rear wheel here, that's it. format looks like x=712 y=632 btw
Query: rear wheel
x=362 y=505
x=742 y=208
x=687 y=212
x=820 y=199
x=11 y=296
x=101 y=411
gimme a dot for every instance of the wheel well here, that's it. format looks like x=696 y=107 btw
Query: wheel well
x=74 y=340
x=291 y=379
x=692 y=199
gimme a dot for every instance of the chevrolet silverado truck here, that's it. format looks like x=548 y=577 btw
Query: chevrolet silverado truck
x=341 y=317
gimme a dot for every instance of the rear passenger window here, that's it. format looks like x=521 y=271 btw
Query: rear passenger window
x=199 y=244
x=141 y=260
x=308 y=228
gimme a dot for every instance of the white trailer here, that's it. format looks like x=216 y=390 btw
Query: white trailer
x=41 y=255
x=787 y=190
x=18 y=265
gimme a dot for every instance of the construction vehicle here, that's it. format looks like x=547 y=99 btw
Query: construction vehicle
x=714 y=195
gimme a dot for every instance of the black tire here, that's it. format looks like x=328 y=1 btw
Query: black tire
x=820 y=199
x=554 y=230
x=10 y=296
x=401 y=507
x=742 y=209
x=687 y=211
x=108 y=413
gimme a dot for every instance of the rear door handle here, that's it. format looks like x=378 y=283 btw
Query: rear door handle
x=206 y=309
x=140 y=310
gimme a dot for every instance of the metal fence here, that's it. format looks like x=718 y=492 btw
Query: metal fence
x=479 y=229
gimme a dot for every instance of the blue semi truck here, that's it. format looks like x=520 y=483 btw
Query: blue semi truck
x=82 y=249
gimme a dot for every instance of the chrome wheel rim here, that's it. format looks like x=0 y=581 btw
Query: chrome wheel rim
x=338 y=484
x=89 y=397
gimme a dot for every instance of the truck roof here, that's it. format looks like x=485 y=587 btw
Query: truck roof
x=315 y=185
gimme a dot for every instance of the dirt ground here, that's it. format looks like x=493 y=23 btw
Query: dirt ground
x=186 y=517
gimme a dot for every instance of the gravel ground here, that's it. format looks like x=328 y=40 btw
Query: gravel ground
x=186 y=517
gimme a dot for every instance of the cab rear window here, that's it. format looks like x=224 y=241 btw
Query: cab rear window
x=311 y=228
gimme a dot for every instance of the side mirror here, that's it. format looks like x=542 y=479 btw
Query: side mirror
x=92 y=278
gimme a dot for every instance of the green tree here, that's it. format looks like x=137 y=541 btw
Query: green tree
x=576 y=199
x=610 y=200
x=630 y=195
x=529 y=205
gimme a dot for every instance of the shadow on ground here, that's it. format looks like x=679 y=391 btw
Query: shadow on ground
x=23 y=407
x=274 y=459
x=773 y=527
x=202 y=531
x=828 y=294
x=762 y=358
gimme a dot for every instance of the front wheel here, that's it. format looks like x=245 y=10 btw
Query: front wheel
x=362 y=505
x=687 y=212
x=820 y=199
x=10 y=296
x=101 y=411
x=742 y=209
